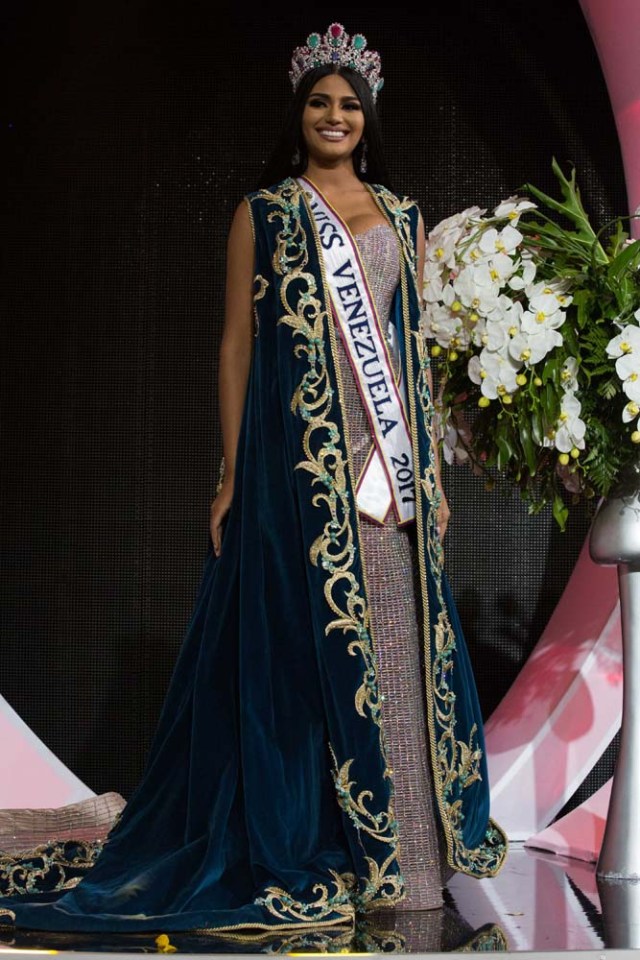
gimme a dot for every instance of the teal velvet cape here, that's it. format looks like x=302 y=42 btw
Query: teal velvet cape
x=267 y=799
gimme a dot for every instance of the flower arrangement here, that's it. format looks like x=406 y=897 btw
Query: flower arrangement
x=537 y=334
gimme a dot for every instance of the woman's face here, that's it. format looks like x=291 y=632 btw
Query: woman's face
x=332 y=120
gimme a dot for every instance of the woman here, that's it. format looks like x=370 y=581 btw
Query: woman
x=316 y=686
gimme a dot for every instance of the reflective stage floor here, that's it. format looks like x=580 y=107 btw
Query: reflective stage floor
x=539 y=905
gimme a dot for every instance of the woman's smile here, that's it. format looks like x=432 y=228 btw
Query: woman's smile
x=332 y=115
x=329 y=133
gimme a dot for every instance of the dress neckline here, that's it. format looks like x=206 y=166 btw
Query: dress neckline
x=376 y=226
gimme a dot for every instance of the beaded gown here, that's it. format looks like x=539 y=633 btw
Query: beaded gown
x=390 y=564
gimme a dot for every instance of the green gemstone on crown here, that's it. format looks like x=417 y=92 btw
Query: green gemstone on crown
x=313 y=40
x=359 y=42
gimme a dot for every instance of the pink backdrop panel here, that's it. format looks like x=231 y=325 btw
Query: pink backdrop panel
x=578 y=834
x=615 y=28
x=564 y=707
x=32 y=776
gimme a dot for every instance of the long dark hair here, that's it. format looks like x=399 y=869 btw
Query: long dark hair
x=280 y=163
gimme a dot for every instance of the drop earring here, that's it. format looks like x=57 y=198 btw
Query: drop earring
x=295 y=159
x=363 y=157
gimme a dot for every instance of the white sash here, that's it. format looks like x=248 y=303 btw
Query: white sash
x=387 y=478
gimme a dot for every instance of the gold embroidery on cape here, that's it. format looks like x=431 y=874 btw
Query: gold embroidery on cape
x=258 y=295
x=334 y=549
x=253 y=226
x=262 y=287
x=22 y=873
x=452 y=760
x=285 y=907
x=382 y=826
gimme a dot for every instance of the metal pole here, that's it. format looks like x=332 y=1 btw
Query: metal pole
x=615 y=538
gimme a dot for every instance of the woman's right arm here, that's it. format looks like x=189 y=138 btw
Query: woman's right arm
x=235 y=357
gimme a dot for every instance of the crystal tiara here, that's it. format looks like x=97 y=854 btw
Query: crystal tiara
x=334 y=47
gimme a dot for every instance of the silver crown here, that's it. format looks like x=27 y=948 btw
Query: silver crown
x=334 y=47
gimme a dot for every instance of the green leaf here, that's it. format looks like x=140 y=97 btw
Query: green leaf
x=551 y=403
x=617 y=239
x=505 y=452
x=608 y=389
x=570 y=338
x=601 y=369
x=560 y=512
x=528 y=446
x=582 y=301
x=537 y=430
x=546 y=199
x=573 y=209
x=550 y=369
x=627 y=260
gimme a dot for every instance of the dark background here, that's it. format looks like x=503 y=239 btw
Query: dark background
x=132 y=132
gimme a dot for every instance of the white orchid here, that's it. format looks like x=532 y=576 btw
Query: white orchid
x=453 y=432
x=544 y=313
x=485 y=287
x=512 y=207
x=441 y=249
x=532 y=343
x=432 y=281
x=443 y=239
x=625 y=347
x=502 y=267
x=556 y=288
x=570 y=429
x=471 y=253
x=526 y=276
x=569 y=375
x=477 y=325
x=452 y=446
x=476 y=289
x=438 y=322
x=532 y=348
x=495 y=372
x=628 y=369
x=496 y=332
x=626 y=341
x=630 y=412
x=447 y=327
x=504 y=241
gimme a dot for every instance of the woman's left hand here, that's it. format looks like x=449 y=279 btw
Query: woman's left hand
x=443 y=515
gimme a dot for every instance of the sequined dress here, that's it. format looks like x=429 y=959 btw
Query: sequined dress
x=390 y=565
